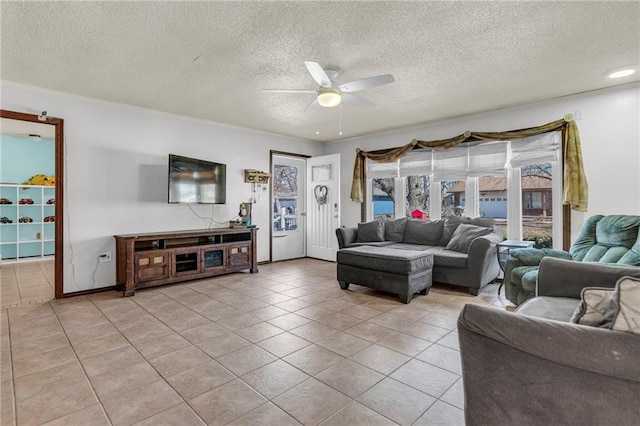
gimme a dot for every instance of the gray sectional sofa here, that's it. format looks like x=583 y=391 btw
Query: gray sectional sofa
x=462 y=255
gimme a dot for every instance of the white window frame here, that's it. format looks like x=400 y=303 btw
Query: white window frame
x=472 y=204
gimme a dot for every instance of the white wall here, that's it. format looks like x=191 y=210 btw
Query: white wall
x=116 y=174
x=609 y=132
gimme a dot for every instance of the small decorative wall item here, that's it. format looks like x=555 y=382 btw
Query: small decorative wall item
x=25 y=219
x=25 y=201
x=51 y=201
x=49 y=219
x=40 y=179
x=5 y=219
x=255 y=176
x=321 y=192
x=5 y=201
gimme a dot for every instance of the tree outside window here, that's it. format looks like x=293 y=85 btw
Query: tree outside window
x=383 y=198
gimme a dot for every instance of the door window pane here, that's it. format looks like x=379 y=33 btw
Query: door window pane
x=383 y=198
x=321 y=172
x=285 y=200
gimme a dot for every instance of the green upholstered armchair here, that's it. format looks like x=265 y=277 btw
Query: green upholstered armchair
x=606 y=239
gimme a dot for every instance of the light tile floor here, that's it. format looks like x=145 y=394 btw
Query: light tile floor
x=26 y=283
x=281 y=347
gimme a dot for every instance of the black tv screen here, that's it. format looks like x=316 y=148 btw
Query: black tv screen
x=196 y=181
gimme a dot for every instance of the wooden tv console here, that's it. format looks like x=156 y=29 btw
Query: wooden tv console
x=147 y=260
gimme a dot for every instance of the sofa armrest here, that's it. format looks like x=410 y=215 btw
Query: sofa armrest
x=346 y=236
x=482 y=260
x=481 y=245
x=533 y=257
x=529 y=371
x=567 y=278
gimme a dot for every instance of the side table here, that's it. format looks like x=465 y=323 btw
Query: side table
x=504 y=249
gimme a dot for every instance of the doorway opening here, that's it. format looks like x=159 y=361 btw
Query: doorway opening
x=288 y=206
x=305 y=196
x=47 y=214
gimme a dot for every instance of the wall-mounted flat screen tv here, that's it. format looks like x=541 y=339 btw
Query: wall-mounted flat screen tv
x=196 y=181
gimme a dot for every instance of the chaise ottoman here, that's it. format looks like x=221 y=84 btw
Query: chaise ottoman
x=403 y=272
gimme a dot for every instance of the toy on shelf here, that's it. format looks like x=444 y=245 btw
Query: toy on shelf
x=5 y=219
x=5 y=201
x=25 y=201
x=49 y=219
x=41 y=180
x=25 y=219
x=51 y=201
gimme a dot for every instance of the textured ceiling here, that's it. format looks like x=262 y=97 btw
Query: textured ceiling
x=211 y=60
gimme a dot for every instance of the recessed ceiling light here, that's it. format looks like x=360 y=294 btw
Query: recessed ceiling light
x=622 y=73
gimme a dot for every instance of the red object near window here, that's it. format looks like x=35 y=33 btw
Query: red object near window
x=418 y=214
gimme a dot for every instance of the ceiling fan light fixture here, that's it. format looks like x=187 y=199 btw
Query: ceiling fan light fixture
x=329 y=98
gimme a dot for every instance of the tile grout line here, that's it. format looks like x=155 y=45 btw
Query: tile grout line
x=13 y=376
x=148 y=362
x=316 y=302
x=95 y=394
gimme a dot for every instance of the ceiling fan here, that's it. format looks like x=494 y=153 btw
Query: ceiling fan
x=331 y=94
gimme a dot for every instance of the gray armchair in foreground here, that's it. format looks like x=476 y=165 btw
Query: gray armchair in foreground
x=533 y=367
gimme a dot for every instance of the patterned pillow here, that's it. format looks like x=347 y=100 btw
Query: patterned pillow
x=597 y=307
x=627 y=297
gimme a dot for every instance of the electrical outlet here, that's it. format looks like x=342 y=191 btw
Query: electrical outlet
x=105 y=257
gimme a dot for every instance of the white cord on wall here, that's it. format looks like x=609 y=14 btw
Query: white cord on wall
x=210 y=218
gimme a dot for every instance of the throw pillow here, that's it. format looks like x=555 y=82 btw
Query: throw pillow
x=424 y=232
x=452 y=222
x=394 y=229
x=370 y=232
x=464 y=236
x=597 y=307
x=628 y=310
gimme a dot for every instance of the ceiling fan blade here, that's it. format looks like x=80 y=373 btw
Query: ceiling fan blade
x=312 y=105
x=366 y=83
x=357 y=101
x=289 y=91
x=318 y=74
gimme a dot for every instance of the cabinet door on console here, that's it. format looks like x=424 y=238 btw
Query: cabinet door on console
x=239 y=255
x=151 y=265
x=214 y=258
x=186 y=261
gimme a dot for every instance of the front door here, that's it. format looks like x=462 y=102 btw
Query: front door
x=288 y=220
x=323 y=206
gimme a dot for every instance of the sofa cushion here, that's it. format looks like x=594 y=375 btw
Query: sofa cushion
x=627 y=300
x=596 y=308
x=373 y=243
x=451 y=224
x=411 y=247
x=385 y=259
x=394 y=229
x=423 y=232
x=447 y=258
x=370 y=232
x=555 y=308
x=464 y=236
x=609 y=239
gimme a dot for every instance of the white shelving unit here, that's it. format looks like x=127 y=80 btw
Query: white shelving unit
x=20 y=241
